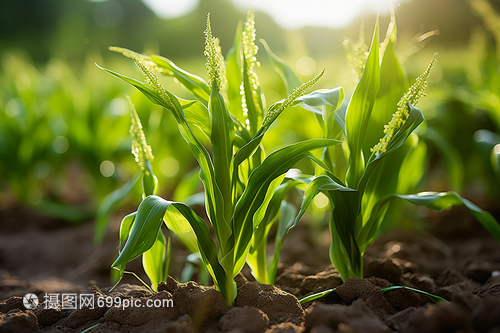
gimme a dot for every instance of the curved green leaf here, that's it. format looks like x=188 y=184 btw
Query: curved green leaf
x=438 y=202
x=107 y=206
x=149 y=217
x=446 y=200
x=153 y=260
x=322 y=97
x=197 y=114
x=194 y=84
x=436 y=299
x=288 y=75
x=275 y=165
x=125 y=227
x=393 y=85
x=359 y=111
x=144 y=231
x=452 y=158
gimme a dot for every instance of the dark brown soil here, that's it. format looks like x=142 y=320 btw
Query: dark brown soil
x=45 y=256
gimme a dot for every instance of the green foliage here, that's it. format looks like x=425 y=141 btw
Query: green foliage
x=241 y=182
x=57 y=137
x=375 y=159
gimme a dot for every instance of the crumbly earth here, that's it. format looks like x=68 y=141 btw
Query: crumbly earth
x=462 y=267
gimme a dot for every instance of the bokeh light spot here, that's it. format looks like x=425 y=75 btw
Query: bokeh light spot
x=169 y=167
x=60 y=144
x=107 y=168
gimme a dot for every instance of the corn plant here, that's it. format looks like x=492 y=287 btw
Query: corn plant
x=359 y=198
x=238 y=178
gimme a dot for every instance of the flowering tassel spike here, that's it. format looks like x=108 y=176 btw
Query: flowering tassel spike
x=416 y=91
x=357 y=54
x=140 y=148
x=152 y=79
x=272 y=114
x=250 y=50
x=215 y=62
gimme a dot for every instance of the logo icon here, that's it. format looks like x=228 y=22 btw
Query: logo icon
x=30 y=301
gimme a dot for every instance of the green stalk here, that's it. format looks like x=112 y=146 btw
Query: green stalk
x=262 y=276
x=231 y=289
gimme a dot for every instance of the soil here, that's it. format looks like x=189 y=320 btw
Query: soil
x=456 y=259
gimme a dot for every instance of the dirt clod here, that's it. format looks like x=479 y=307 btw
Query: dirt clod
x=14 y=302
x=439 y=318
x=49 y=316
x=245 y=320
x=204 y=304
x=18 y=321
x=277 y=304
x=373 y=296
x=341 y=318
x=386 y=268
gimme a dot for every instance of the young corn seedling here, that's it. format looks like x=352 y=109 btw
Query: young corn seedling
x=359 y=198
x=238 y=178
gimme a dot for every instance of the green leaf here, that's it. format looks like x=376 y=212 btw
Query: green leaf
x=275 y=165
x=125 y=227
x=144 y=231
x=144 y=88
x=436 y=299
x=153 y=260
x=197 y=114
x=315 y=99
x=260 y=214
x=451 y=156
x=288 y=75
x=359 y=111
x=188 y=185
x=316 y=296
x=222 y=146
x=149 y=217
x=393 y=85
x=287 y=217
x=194 y=84
x=413 y=168
x=90 y=328
x=318 y=184
x=106 y=208
x=223 y=280
x=445 y=200
x=322 y=100
x=339 y=117
x=346 y=211
x=176 y=222
x=415 y=118
x=158 y=95
x=384 y=181
x=273 y=208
